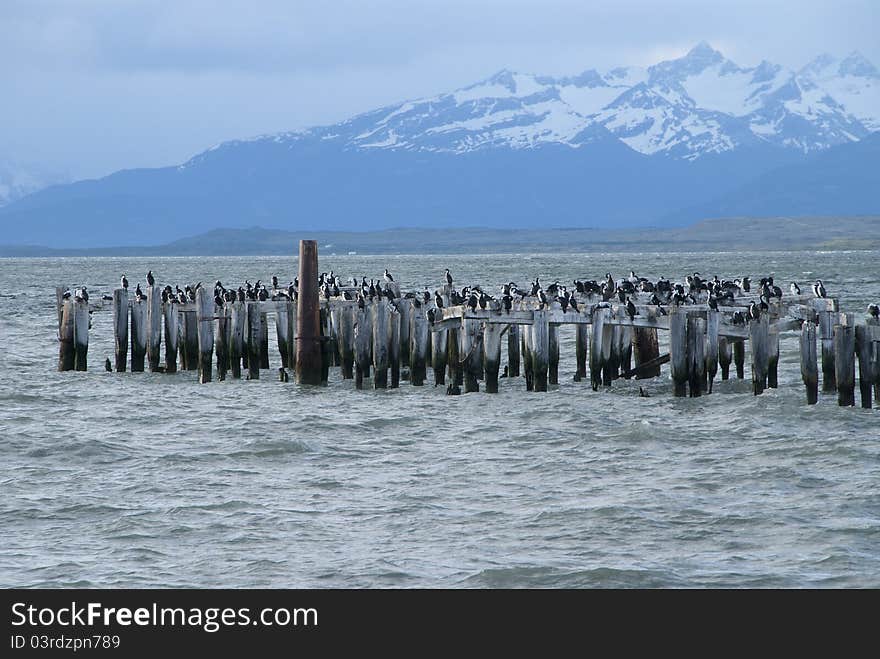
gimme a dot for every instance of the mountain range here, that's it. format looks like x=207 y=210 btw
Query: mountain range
x=686 y=139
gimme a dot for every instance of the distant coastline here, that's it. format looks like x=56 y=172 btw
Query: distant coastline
x=754 y=234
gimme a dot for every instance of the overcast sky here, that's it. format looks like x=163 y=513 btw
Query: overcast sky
x=91 y=86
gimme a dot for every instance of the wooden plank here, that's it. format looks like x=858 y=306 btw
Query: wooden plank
x=646 y=368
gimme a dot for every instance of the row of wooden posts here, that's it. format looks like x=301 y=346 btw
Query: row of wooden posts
x=465 y=345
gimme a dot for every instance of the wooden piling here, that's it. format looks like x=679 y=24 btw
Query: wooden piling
x=191 y=340
x=264 y=341
x=864 y=350
x=282 y=328
x=826 y=335
x=696 y=342
x=809 y=365
x=120 y=328
x=773 y=361
x=221 y=341
x=154 y=327
x=553 y=366
x=597 y=361
x=237 y=347
x=540 y=348
x=844 y=363
x=419 y=351
x=492 y=355
x=456 y=373
x=346 y=341
x=205 y=318
x=254 y=334
x=645 y=348
x=59 y=307
x=308 y=329
x=739 y=359
x=469 y=353
x=326 y=345
x=66 y=345
x=759 y=338
x=170 y=318
x=712 y=346
x=363 y=336
x=513 y=354
x=438 y=353
x=138 y=335
x=526 y=351
x=581 y=350
x=394 y=346
x=624 y=348
x=381 y=339
x=725 y=356
x=678 y=351
x=406 y=310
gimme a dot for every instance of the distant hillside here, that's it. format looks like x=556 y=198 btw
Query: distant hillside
x=779 y=233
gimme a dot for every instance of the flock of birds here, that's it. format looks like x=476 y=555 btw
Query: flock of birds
x=692 y=290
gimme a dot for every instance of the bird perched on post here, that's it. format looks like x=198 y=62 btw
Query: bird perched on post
x=819 y=289
x=630 y=308
x=150 y=279
x=448 y=277
x=874 y=310
x=388 y=277
x=794 y=288
x=124 y=282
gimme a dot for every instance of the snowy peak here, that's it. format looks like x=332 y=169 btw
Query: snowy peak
x=698 y=104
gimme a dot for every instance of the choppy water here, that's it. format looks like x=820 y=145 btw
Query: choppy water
x=153 y=480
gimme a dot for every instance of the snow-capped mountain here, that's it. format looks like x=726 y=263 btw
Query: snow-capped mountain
x=18 y=180
x=699 y=104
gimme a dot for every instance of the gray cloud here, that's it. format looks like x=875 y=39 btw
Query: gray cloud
x=97 y=85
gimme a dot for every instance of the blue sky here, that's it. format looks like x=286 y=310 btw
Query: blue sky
x=91 y=86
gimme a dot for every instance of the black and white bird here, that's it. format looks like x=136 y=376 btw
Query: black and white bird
x=448 y=277
x=819 y=289
x=630 y=308
x=754 y=311
x=438 y=299
x=874 y=310
x=388 y=276
x=124 y=282
x=274 y=281
x=542 y=298
x=139 y=294
x=794 y=288
x=150 y=279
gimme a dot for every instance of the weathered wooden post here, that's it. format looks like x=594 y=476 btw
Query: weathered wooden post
x=696 y=341
x=678 y=351
x=466 y=348
x=540 y=348
x=712 y=345
x=154 y=327
x=264 y=339
x=456 y=373
x=221 y=341
x=66 y=346
x=419 y=351
x=291 y=334
x=612 y=358
x=191 y=339
x=725 y=356
x=120 y=328
x=513 y=355
x=394 y=351
x=59 y=306
x=282 y=328
x=381 y=331
x=597 y=361
x=864 y=349
x=759 y=338
x=581 y=349
x=739 y=358
x=205 y=317
x=406 y=310
x=363 y=335
x=326 y=345
x=553 y=365
x=492 y=355
x=827 y=319
x=439 y=350
x=809 y=365
x=526 y=351
x=646 y=348
x=254 y=334
x=844 y=361
x=138 y=335
x=624 y=347
x=346 y=341
x=773 y=361
x=308 y=319
x=170 y=317
x=236 y=344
